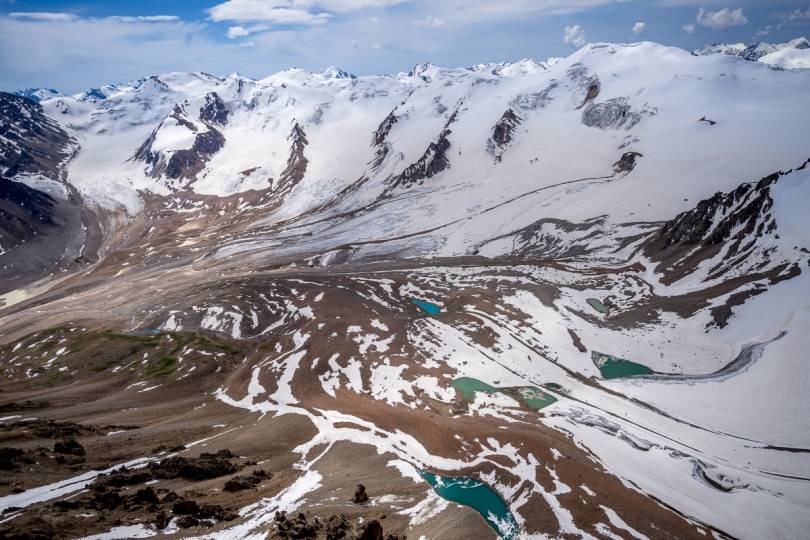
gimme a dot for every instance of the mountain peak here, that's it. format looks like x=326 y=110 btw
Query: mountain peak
x=333 y=72
x=38 y=94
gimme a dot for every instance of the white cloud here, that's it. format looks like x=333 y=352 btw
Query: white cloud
x=639 y=28
x=575 y=36
x=145 y=18
x=689 y=28
x=271 y=11
x=489 y=9
x=289 y=12
x=798 y=15
x=429 y=22
x=237 y=31
x=43 y=16
x=722 y=19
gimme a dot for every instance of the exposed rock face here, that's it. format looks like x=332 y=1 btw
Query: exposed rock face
x=587 y=83
x=626 y=163
x=744 y=211
x=378 y=140
x=614 y=113
x=24 y=213
x=297 y=162
x=732 y=232
x=189 y=163
x=214 y=111
x=30 y=141
x=503 y=133
x=186 y=163
x=432 y=162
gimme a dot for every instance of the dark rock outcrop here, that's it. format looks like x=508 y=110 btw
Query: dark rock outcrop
x=9 y=458
x=70 y=446
x=297 y=162
x=735 y=233
x=360 y=495
x=627 y=162
x=243 y=482
x=186 y=163
x=201 y=468
x=502 y=134
x=30 y=141
x=214 y=111
x=432 y=162
x=379 y=139
x=189 y=163
x=370 y=530
x=25 y=213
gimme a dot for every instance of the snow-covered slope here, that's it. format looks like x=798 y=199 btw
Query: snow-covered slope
x=378 y=127
x=793 y=54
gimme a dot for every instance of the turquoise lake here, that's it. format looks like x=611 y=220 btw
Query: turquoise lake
x=615 y=368
x=478 y=496
x=598 y=305
x=532 y=397
x=428 y=307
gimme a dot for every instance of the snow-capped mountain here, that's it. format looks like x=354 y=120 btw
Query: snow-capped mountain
x=793 y=54
x=38 y=94
x=581 y=282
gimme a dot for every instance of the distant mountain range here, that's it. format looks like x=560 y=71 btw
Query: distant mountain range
x=793 y=54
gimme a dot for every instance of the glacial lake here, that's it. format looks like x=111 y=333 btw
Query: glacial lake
x=478 y=496
x=532 y=397
x=597 y=305
x=428 y=307
x=612 y=367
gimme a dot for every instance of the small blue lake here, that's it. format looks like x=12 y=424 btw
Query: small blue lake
x=428 y=307
x=612 y=367
x=478 y=496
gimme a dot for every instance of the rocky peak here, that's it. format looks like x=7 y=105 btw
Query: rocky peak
x=38 y=94
x=214 y=111
x=296 y=162
x=333 y=72
x=503 y=133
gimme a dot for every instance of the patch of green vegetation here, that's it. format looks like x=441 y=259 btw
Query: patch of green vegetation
x=142 y=340
x=160 y=368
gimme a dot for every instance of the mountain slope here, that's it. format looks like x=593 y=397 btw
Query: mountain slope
x=566 y=281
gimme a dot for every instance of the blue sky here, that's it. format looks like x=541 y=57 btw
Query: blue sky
x=73 y=45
